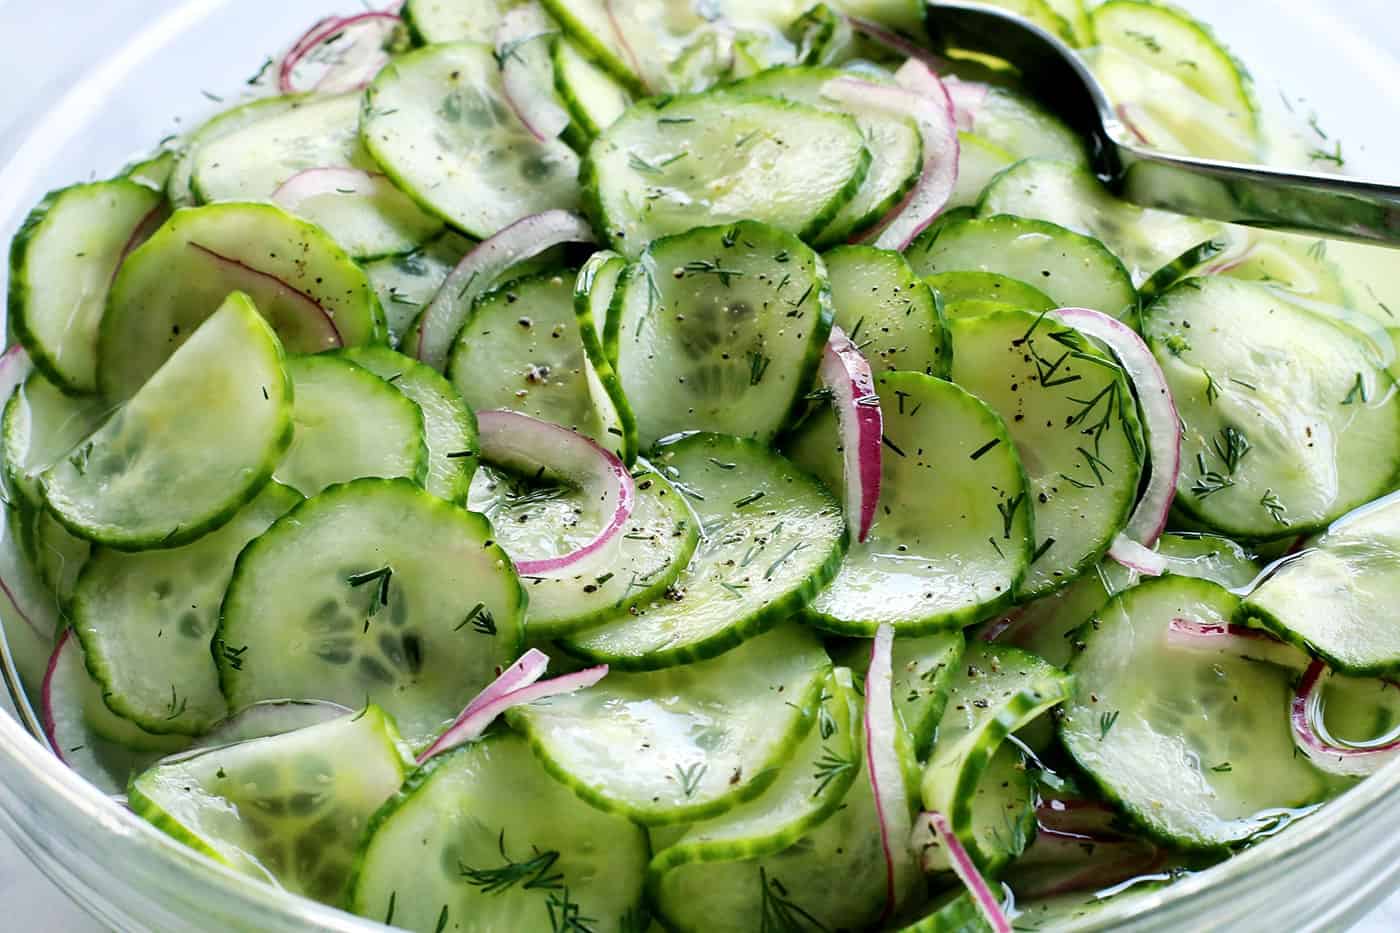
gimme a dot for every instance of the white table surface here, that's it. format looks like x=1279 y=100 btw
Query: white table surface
x=43 y=43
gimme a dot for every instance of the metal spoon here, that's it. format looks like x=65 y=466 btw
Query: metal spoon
x=1314 y=202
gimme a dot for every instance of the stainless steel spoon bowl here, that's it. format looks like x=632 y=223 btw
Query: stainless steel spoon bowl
x=1312 y=202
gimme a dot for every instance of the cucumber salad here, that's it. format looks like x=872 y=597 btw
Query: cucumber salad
x=588 y=466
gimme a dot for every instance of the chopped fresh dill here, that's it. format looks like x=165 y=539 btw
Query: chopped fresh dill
x=535 y=872
x=1106 y=723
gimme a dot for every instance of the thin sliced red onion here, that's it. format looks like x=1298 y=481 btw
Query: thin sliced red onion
x=1125 y=117
x=610 y=8
x=998 y=627
x=846 y=372
x=471 y=726
x=527 y=669
x=1325 y=752
x=1078 y=848
x=526 y=444
x=534 y=106
x=314 y=182
x=1230 y=263
x=886 y=773
x=311 y=316
x=967 y=98
x=967 y=872
x=920 y=95
x=1133 y=546
x=883 y=35
x=479 y=269
x=66 y=642
x=365 y=55
x=1239 y=640
x=142 y=232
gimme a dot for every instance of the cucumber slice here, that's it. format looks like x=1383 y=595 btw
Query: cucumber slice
x=770 y=538
x=449 y=427
x=153 y=171
x=923 y=671
x=593 y=293
x=670 y=164
x=807 y=791
x=979 y=161
x=688 y=742
x=995 y=691
x=883 y=307
x=958 y=287
x=952 y=539
x=1068 y=195
x=1074 y=270
x=1043 y=15
x=895 y=143
x=438 y=123
x=1069 y=410
x=593 y=97
x=102 y=748
x=313 y=294
x=1000 y=816
x=1015 y=123
x=179 y=188
x=198 y=440
x=535 y=521
x=349 y=423
x=719 y=329
x=288 y=809
x=523 y=350
x=254 y=161
x=1334 y=598
x=58 y=555
x=833 y=878
x=482 y=839
x=956 y=914
x=40 y=425
x=146 y=621
x=436 y=21
x=590 y=24
x=62 y=261
x=1290 y=418
x=371 y=589
x=406 y=284
x=1199 y=768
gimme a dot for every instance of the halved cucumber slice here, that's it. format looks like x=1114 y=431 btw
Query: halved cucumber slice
x=1291 y=419
x=288 y=809
x=349 y=423
x=886 y=311
x=670 y=164
x=995 y=691
x=688 y=742
x=482 y=839
x=523 y=350
x=1070 y=412
x=719 y=329
x=102 y=748
x=179 y=188
x=594 y=98
x=62 y=261
x=190 y=448
x=1074 y=270
x=301 y=281
x=952 y=538
x=1335 y=598
x=41 y=424
x=406 y=284
x=146 y=621
x=958 y=287
x=372 y=589
x=1192 y=744
x=895 y=143
x=449 y=426
x=437 y=122
x=771 y=538
x=535 y=521
x=979 y=161
x=436 y=21
x=833 y=878
x=1067 y=194
x=810 y=787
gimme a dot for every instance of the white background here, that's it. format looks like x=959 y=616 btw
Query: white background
x=1341 y=56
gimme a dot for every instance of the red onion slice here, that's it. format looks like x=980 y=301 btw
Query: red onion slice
x=1239 y=640
x=314 y=182
x=479 y=269
x=1133 y=546
x=311 y=318
x=1078 y=848
x=142 y=232
x=883 y=35
x=967 y=98
x=527 y=669
x=610 y=8
x=846 y=372
x=534 y=106
x=920 y=95
x=361 y=60
x=1312 y=738
x=526 y=444
x=472 y=725
x=886 y=773
x=967 y=872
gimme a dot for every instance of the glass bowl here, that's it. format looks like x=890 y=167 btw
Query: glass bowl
x=102 y=81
